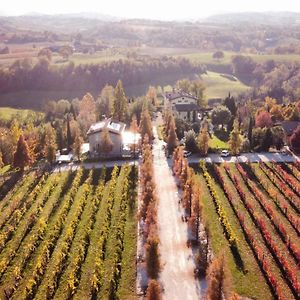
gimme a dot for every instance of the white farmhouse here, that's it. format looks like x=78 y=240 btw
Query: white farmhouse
x=183 y=104
x=115 y=130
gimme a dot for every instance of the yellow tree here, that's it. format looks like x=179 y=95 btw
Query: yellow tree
x=172 y=140
x=50 y=145
x=235 y=140
x=146 y=125
x=78 y=141
x=106 y=144
x=203 y=140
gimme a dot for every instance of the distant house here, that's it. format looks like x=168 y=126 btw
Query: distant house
x=115 y=130
x=289 y=127
x=183 y=104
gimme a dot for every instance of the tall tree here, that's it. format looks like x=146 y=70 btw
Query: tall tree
x=250 y=128
x=172 y=140
x=50 y=145
x=197 y=88
x=120 y=106
x=105 y=102
x=229 y=102
x=134 y=125
x=76 y=146
x=235 y=140
x=69 y=135
x=106 y=144
x=146 y=125
x=22 y=155
x=87 y=112
x=203 y=139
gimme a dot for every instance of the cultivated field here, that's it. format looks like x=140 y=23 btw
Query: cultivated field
x=69 y=235
x=252 y=215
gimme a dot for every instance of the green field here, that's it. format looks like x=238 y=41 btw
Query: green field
x=218 y=86
x=7 y=114
x=206 y=57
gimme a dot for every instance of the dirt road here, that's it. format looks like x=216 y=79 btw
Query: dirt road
x=177 y=275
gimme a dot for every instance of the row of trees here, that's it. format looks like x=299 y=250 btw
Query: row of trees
x=148 y=217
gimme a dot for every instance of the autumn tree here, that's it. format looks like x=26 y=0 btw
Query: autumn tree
x=235 y=140
x=152 y=256
x=50 y=145
x=106 y=144
x=216 y=279
x=203 y=140
x=15 y=132
x=146 y=125
x=65 y=52
x=172 y=140
x=87 y=112
x=46 y=52
x=263 y=119
x=22 y=155
x=134 y=125
x=153 y=290
x=120 y=105
x=76 y=146
x=152 y=96
x=295 y=140
x=1 y=160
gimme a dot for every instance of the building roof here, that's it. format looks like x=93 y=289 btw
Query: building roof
x=187 y=107
x=109 y=124
x=289 y=126
x=178 y=94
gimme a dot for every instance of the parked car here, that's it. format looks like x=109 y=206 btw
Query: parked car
x=225 y=153
x=187 y=153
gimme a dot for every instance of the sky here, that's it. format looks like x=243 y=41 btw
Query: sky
x=150 y=9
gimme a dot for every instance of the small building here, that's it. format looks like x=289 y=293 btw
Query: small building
x=115 y=131
x=183 y=104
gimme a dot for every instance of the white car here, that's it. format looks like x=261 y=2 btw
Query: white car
x=225 y=153
x=187 y=153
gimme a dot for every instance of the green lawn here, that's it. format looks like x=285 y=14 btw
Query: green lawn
x=216 y=143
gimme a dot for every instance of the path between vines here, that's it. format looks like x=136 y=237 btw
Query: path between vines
x=177 y=275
